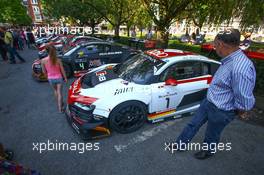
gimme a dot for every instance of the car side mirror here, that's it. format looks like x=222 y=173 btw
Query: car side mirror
x=171 y=82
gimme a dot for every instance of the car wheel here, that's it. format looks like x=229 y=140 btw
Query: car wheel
x=128 y=117
x=67 y=69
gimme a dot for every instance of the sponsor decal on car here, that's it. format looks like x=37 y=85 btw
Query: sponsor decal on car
x=158 y=53
x=111 y=53
x=159 y=115
x=95 y=63
x=123 y=90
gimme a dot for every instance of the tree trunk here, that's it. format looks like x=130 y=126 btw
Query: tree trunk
x=128 y=31
x=117 y=30
x=92 y=26
x=163 y=35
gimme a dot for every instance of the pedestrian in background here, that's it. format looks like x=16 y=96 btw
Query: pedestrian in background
x=9 y=41
x=149 y=35
x=53 y=68
x=15 y=35
x=30 y=39
x=21 y=39
x=3 y=49
x=230 y=93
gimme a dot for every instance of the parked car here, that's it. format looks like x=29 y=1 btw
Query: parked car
x=81 y=58
x=153 y=86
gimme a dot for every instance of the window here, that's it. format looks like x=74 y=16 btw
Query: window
x=38 y=17
x=186 y=70
x=36 y=9
x=99 y=48
x=34 y=1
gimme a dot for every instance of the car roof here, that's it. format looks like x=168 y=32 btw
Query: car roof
x=173 y=55
x=167 y=53
x=95 y=42
x=87 y=37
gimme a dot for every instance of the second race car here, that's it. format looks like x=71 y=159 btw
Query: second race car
x=81 y=58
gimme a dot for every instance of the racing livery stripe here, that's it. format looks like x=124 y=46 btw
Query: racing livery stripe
x=74 y=94
x=193 y=98
x=161 y=53
x=160 y=114
x=83 y=99
x=209 y=79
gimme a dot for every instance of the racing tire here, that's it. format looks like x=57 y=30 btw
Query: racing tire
x=68 y=70
x=128 y=117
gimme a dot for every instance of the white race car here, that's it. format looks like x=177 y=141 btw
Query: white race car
x=153 y=86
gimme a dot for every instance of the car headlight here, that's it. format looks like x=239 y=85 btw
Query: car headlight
x=84 y=107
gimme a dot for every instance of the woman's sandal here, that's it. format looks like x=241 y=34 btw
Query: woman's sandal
x=62 y=108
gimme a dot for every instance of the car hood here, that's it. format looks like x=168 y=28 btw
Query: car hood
x=109 y=89
x=95 y=78
x=103 y=83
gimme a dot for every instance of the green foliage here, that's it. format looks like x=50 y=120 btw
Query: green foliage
x=252 y=13
x=142 y=18
x=13 y=12
x=163 y=12
x=74 y=10
x=116 y=12
x=142 y=13
x=259 y=88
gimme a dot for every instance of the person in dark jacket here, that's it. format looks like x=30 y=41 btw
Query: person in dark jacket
x=3 y=50
x=9 y=41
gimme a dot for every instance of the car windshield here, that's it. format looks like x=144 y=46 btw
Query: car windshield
x=71 y=50
x=139 y=69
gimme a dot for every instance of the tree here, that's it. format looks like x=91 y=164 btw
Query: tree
x=249 y=12
x=116 y=12
x=73 y=9
x=142 y=19
x=14 y=12
x=163 y=12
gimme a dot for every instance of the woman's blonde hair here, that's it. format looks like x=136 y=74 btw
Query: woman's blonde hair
x=52 y=54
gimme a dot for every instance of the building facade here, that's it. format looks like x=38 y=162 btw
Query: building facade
x=34 y=11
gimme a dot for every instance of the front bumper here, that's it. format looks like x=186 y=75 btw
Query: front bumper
x=92 y=129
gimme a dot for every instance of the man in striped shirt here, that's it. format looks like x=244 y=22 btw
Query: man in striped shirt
x=230 y=93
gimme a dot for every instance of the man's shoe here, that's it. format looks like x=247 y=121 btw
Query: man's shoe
x=12 y=62
x=202 y=155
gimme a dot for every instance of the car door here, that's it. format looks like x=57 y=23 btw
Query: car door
x=88 y=57
x=82 y=57
x=115 y=54
x=192 y=82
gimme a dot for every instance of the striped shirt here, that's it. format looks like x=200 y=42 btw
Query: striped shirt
x=233 y=83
